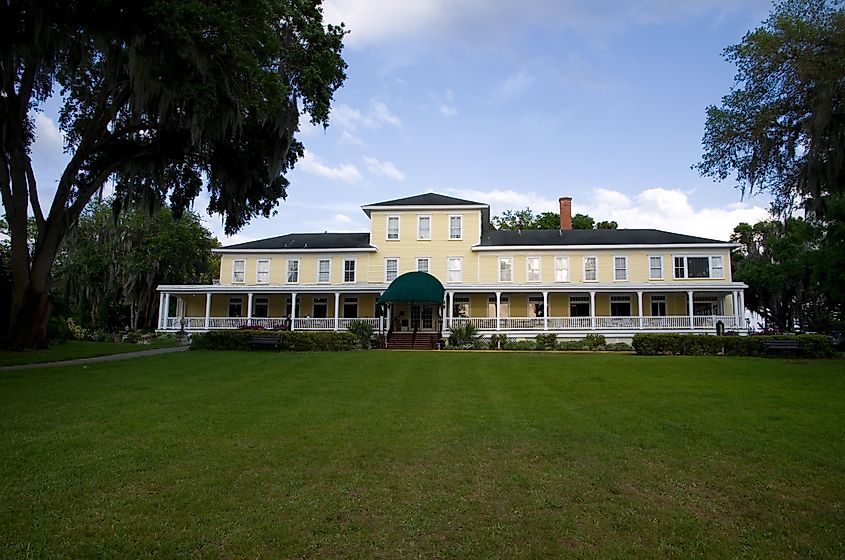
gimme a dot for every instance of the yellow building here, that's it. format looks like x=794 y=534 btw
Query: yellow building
x=521 y=283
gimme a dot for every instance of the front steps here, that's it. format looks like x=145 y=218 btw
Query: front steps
x=412 y=341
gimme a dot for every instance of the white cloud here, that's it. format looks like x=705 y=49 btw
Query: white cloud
x=384 y=169
x=375 y=117
x=383 y=115
x=339 y=223
x=501 y=200
x=347 y=137
x=448 y=110
x=345 y=172
x=512 y=87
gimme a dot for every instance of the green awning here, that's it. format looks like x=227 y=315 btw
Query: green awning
x=414 y=286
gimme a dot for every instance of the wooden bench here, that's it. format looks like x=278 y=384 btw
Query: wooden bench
x=273 y=340
x=781 y=345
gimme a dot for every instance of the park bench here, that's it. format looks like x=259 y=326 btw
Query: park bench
x=781 y=345
x=273 y=340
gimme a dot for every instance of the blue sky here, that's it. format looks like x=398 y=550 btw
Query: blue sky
x=515 y=104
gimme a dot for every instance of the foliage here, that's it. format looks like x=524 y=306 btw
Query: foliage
x=291 y=341
x=546 y=341
x=619 y=347
x=607 y=225
x=463 y=336
x=781 y=129
x=520 y=345
x=595 y=341
x=363 y=332
x=497 y=341
x=164 y=99
x=812 y=346
x=527 y=220
x=583 y=221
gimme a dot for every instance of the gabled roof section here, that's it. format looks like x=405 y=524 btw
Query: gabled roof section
x=590 y=237
x=420 y=201
x=304 y=242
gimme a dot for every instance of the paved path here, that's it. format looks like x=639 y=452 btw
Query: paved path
x=97 y=359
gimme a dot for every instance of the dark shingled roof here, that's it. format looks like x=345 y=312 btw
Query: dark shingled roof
x=309 y=241
x=428 y=199
x=589 y=237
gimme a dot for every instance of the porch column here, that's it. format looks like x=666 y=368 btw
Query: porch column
x=336 y=305
x=593 y=310
x=735 y=306
x=545 y=311
x=450 y=298
x=161 y=310
x=741 y=297
x=166 y=308
x=640 y=309
x=293 y=311
x=389 y=313
x=249 y=306
x=207 y=309
x=498 y=313
x=689 y=299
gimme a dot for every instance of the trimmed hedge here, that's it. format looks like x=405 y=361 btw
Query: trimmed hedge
x=812 y=345
x=292 y=341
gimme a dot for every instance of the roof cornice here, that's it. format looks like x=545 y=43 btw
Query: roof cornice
x=221 y=250
x=628 y=246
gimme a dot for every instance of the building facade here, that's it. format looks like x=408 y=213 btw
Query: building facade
x=570 y=282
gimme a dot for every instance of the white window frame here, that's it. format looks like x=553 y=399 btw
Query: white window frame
x=651 y=268
x=235 y=272
x=658 y=298
x=420 y=218
x=595 y=259
x=386 y=260
x=260 y=300
x=288 y=271
x=565 y=268
x=427 y=261
x=508 y=260
x=624 y=270
x=461 y=300
x=398 y=227
x=354 y=270
x=539 y=260
x=714 y=268
x=460 y=218
x=460 y=270
x=685 y=259
x=258 y=272
x=329 y=272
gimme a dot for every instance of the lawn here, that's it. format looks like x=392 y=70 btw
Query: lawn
x=73 y=349
x=423 y=455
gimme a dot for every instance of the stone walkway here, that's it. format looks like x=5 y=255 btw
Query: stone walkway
x=97 y=359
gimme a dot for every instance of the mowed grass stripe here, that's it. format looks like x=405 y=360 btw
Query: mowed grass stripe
x=373 y=454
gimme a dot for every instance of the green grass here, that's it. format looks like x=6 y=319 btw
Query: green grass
x=394 y=455
x=73 y=349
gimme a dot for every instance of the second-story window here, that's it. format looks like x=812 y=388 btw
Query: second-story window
x=717 y=269
x=532 y=269
x=238 y=271
x=424 y=264
x=293 y=271
x=505 y=269
x=392 y=227
x=262 y=271
x=561 y=269
x=324 y=270
x=391 y=269
x=620 y=268
x=423 y=227
x=349 y=270
x=655 y=268
x=454 y=269
x=591 y=266
x=456 y=227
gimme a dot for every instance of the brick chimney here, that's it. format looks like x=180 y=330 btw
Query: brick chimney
x=565 y=213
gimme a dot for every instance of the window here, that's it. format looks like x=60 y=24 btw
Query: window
x=505 y=269
x=350 y=307
x=324 y=270
x=658 y=306
x=504 y=308
x=460 y=306
x=391 y=269
x=456 y=227
x=579 y=306
x=655 y=268
x=453 y=269
x=561 y=269
x=423 y=227
x=260 y=306
x=591 y=273
x=705 y=305
x=236 y=306
x=680 y=267
x=424 y=264
x=717 y=269
x=535 y=306
x=348 y=270
x=698 y=267
x=620 y=306
x=620 y=268
x=262 y=271
x=532 y=269
x=293 y=271
x=288 y=311
x=321 y=308
x=392 y=227
x=238 y=267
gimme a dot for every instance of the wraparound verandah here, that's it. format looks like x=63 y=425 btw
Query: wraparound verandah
x=518 y=310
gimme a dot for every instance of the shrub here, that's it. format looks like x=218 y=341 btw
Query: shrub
x=812 y=346
x=546 y=341
x=520 y=345
x=573 y=345
x=57 y=329
x=595 y=341
x=296 y=341
x=498 y=341
x=363 y=332
x=463 y=336
x=618 y=347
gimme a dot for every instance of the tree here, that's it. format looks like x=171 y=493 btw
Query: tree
x=527 y=220
x=607 y=225
x=781 y=129
x=583 y=221
x=164 y=98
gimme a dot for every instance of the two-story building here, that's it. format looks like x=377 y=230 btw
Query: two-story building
x=570 y=282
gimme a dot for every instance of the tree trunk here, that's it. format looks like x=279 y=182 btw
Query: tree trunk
x=28 y=318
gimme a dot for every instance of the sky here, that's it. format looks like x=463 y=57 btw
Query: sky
x=514 y=105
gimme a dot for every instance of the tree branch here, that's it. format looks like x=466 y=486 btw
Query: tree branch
x=33 y=199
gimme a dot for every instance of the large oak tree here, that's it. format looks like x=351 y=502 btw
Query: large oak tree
x=163 y=97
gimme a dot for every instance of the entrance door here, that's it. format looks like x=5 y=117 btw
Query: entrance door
x=422 y=317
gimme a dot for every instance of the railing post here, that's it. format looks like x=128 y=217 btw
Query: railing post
x=207 y=309
x=249 y=307
x=498 y=314
x=545 y=311
x=166 y=309
x=161 y=310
